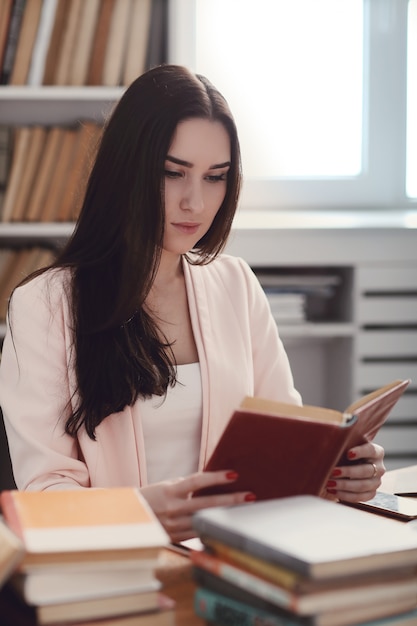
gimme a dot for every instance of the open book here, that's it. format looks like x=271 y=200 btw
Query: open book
x=281 y=450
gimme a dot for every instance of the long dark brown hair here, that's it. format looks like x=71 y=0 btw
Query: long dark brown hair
x=115 y=249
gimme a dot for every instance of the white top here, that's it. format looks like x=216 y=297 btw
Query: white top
x=172 y=427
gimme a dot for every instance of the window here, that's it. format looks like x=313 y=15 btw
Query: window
x=319 y=93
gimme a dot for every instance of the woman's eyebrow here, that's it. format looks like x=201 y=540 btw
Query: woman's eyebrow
x=188 y=164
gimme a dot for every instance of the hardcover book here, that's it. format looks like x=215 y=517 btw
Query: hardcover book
x=321 y=599
x=83 y=526
x=224 y=607
x=281 y=450
x=315 y=537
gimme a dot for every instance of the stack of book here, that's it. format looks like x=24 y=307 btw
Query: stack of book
x=299 y=296
x=304 y=560
x=74 y=42
x=75 y=556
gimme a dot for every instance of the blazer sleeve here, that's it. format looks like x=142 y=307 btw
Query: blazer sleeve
x=35 y=390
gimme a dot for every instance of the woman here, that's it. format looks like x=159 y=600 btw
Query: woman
x=124 y=360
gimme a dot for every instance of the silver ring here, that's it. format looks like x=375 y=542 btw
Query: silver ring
x=375 y=470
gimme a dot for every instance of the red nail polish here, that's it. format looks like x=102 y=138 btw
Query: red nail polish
x=232 y=475
x=336 y=472
x=331 y=483
x=250 y=497
x=351 y=454
x=331 y=490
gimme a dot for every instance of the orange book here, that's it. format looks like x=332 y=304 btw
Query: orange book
x=57 y=184
x=95 y=70
x=137 y=43
x=76 y=180
x=5 y=15
x=7 y=261
x=26 y=42
x=116 y=44
x=21 y=142
x=44 y=257
x=57 y=35
x=83 y=525
x=19 y=269
x=68 y=44
x=27 y=180
x=46 y=172
x=281 y=450
x=83 y=45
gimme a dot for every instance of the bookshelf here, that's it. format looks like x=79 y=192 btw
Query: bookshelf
x=334 y=359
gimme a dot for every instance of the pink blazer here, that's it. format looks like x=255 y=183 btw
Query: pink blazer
x=240 y=354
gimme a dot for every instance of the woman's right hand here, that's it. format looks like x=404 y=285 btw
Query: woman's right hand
x=174 y=506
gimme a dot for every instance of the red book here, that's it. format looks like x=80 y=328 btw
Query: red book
x=281 y=450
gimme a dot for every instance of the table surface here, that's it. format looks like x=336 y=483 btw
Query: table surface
x=402 y=480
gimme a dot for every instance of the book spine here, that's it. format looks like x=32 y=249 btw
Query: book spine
x=12 y=39
x=10 y=514
x=224 y=611
x=245 y=580
x=282 y=576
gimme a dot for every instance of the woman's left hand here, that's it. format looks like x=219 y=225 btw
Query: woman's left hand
x=359 y=481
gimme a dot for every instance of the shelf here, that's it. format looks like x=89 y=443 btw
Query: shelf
x=316 y=330
x=325 y=220
x=57 y=93
x=36 y=232
x=51 y=105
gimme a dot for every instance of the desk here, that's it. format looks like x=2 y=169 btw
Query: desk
x=175 y=569
x=403 y=480
x=174 y=573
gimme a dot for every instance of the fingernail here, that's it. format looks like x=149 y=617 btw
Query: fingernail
x=351 y=454
x=331 y=483
x=232 y=475
x=336 y=472
x=250 y=497
x=331 y=490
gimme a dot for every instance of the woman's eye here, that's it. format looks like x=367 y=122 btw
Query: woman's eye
x=172 y=174
x=215 y=178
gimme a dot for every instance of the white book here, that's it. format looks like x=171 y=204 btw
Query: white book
x=318 y=538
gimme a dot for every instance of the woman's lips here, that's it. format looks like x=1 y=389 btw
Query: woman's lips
x=188 y=228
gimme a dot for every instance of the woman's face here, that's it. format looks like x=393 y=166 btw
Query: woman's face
x=196 y=170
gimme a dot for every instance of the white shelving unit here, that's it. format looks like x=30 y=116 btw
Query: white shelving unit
x=375 y=338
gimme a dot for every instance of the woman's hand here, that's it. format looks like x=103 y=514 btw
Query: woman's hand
x=359 y=481
x=173 y=505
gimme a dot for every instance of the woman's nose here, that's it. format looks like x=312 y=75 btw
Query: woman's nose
x=192 y=199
